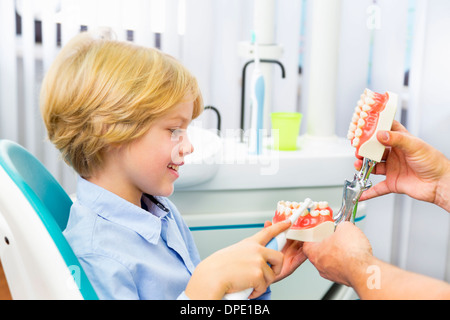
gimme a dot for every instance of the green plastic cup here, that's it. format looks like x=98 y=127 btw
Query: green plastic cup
x=285 y=130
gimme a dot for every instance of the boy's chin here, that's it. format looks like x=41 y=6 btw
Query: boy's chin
x=166 y=192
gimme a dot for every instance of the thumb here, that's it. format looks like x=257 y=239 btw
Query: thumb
x=400 y=140
x=309 y=248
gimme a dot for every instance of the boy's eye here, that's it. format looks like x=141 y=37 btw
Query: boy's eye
x=176 y=133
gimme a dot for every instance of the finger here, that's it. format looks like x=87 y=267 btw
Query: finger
x=397 y=126
x=292 y=246
x=260 y=287
x=377 y=190
x=400 y=140
x=386 y=152
x=380 y=169
x=267 y=224
x=294 y=252
x=275 y=260
x=309 y=248
x=266 y=234
x=267 y=277
x=358 y=164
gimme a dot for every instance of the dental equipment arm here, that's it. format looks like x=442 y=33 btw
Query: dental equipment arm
x=374 y=112
x=277 y=243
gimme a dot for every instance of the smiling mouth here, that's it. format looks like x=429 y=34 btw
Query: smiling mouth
x=174 y=166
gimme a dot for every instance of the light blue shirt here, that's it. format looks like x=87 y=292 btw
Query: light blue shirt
x=128 y=252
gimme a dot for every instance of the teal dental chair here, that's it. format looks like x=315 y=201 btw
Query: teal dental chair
x=34 y=209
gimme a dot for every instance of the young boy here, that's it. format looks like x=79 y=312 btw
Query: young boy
x=119 y=113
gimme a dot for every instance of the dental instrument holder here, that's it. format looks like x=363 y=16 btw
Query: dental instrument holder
x=353 y=191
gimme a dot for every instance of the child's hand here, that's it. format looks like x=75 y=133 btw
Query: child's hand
x=293 y=256
x=238 y=267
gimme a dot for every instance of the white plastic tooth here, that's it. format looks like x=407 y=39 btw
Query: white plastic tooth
x=368 y=92
x=363 y=114
x=323 y=205
x=350 y=135
x=352 y=127
x=369 y=101
x=366 y=107
x=358 y=132
x=361 y=123
x=355 y=142
x=359 y=103
x=324 y=212
x=315 y=213
x=287 y=211
x=280 y=206
x=355 y=118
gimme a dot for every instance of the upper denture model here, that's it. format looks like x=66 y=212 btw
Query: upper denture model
x=374 y=112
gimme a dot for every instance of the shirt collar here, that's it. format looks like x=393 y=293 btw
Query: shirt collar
x=113 y=208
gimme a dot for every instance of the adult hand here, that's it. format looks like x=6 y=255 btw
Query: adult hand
x=337 y=256
x=411 y=166
x=346 y=257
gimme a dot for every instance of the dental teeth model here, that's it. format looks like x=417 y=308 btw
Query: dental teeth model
x=374 y=112
x=314 y=224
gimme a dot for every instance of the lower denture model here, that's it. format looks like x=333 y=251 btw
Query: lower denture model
x=314 y=224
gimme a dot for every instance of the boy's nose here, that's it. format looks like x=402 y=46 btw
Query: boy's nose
x=186 y=146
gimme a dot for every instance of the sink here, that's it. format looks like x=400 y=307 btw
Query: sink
x=201 y=165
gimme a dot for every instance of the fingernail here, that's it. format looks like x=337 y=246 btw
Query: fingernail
x=383 y=136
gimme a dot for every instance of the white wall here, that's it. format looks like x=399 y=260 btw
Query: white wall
x=428 y=250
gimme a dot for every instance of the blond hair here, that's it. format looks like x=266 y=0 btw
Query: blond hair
x=101 y=92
